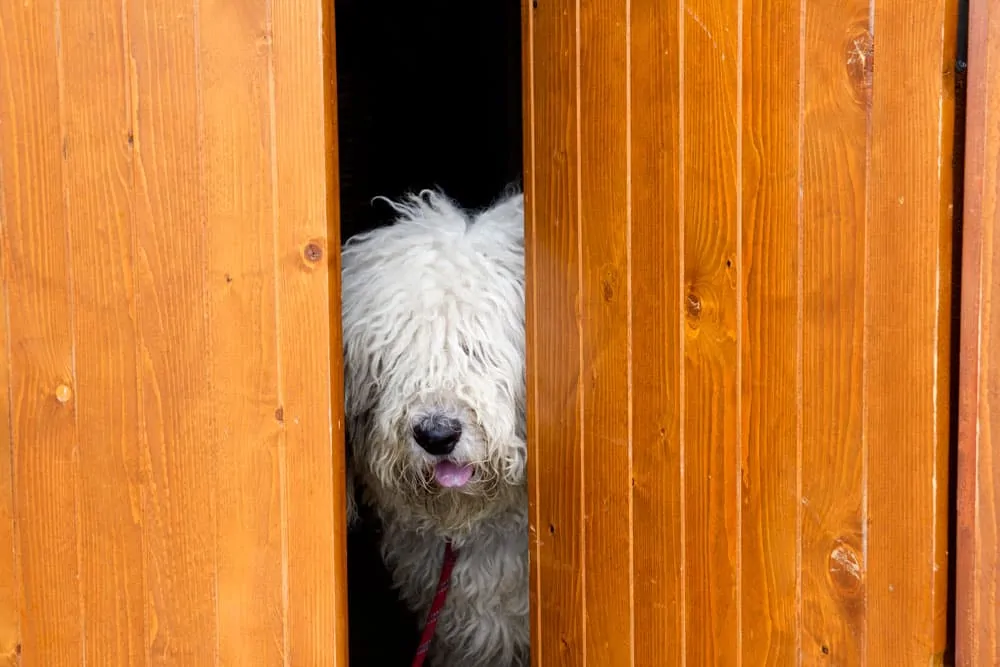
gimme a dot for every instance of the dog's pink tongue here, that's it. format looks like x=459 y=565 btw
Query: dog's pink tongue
x=450 y=474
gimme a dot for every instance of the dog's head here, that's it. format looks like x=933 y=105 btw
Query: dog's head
x=433 y=326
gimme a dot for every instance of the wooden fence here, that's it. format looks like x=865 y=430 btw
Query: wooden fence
x=740 y=251
x=165 y=206
x=739 y=327
x=978 y=558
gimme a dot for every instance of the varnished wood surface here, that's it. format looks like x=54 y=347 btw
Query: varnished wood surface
x=739 y=243
x=834 y=180
x=9 y=621
x=978 y=566
x=167 y=178
x=907 y=335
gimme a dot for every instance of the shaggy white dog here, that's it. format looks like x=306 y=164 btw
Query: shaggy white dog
x=433 y=321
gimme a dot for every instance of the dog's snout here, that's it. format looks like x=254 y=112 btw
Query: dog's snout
x=438 y=436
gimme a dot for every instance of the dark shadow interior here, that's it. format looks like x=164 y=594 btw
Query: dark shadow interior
x=428 y=96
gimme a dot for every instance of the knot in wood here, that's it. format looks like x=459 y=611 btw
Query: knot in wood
x=693 y=305
x=846 y=572
x=609 y=282
x=313 y=252
x=63 y=393
x=860 y=56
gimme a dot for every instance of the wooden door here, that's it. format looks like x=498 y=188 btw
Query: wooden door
x=978 y=558
x=739 y=309
x=171 y=469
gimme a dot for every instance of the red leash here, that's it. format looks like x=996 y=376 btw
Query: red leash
x=450 y=556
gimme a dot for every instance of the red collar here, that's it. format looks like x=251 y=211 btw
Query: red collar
x=450 y=556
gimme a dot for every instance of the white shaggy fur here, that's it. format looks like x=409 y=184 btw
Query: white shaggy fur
x=433 y=317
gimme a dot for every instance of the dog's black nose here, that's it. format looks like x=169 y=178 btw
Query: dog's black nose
x=438 y=436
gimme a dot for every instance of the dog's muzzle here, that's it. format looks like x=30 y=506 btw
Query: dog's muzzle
x=438 y=435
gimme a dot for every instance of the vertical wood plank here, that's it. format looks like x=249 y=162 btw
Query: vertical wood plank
x=907 y=332
x=553 y=306
x=531 y=340
x=604 y=179
x=43 y=428
x=307 y=200
x=769 y=362
x=99 y=230
x=836 y=106
x=243 y=311
x=179 y=446
x=656 y=295
x=978 y=559
x=10 y=625
x=711 y=129
x=177 y=459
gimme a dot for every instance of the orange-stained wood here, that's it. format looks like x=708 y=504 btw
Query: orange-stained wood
x=978 y=559
x=169 y=271
x=711 y=400
x=243 y=325
x=307 y=261
x=10 y=626
x=602 y=197
x=179 y=441
x=657 y=329
x=43 y=429
x=834 y=176
x=98 y=222
x=554 y=356
x=907 y=333
x=770 y=362
x=784 y=230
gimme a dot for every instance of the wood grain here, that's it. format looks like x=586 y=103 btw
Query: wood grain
x=10 y=626
x=243 y=328
x=604 y=211
x=710 y=159
x=99 y=228
x=657 y=327
x=775 y=381
x=835 y=116
x=309 y=343
x=179 y=423
x=554 y=362
x=43 y=429
x=166 y=351
x=770 y=333
x=907 y=331
x=978 y=559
